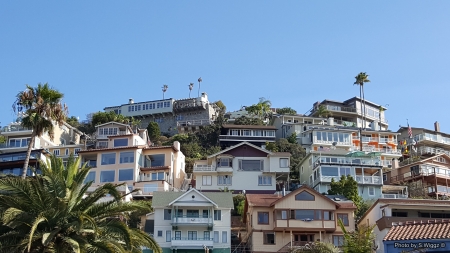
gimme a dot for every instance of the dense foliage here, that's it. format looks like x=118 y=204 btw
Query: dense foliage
x=358 y=241
x=297 y=154
x=286 y=111
x=153 y=131
x=53 y=212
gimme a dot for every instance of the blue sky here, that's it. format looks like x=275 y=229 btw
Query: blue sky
x=294 y=53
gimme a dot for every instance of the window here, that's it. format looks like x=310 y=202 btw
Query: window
x=205 y=214
x=281 y=214
x=159 y=233
x=217 y=214
x=158 y=176
x=206 y=180
x=90 y=177
x=400 y=214
x=224 y=236
x=102 y=144
x=224 y=162
x=338 y=240
x=107 y=176
x=206 y=235
x=251 y=165
x=109 y=158
x=179 y=117
x=56 y=152
x=264 y=180
x=67 y=151
x=304 y=195
x=177 y=235
x=328 y=215
x=284 y=162
x=263 y=218
x=120 y=142
x=92 y=163
x=269 y=238
x=159 y=105
x=303 y=214
x=23 y=142
x=216 y=236
x=168 y=235
x=108 y=131
x=76 y=150
x=167 y=214
x=371 y=191
x=224 y=180
x=257 y=133
x=157 y=160
x=344 y=218
x=330 y=171
x=192 y=235
x=246 y=132
x=125 y=174
x=126 y=157
x=270 y=133
x=384 y=177
x=192 y=213
x=345 y=171
x=235 y=132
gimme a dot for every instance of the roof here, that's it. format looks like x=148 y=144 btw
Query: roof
x=238 y=145
x=249 y=127
x=405 y=129
x=161 y=147
x=419 y=231
x=105 y=149
x=424 y=160
x=424 y=202
x=154 y=168
x=222 y=199
x=282 y=154
x=113 y=123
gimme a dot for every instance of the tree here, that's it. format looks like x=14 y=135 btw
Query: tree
x=261 y=109
x=164 y=89
x=199 y=82
x=286 y=111
x=52 y=212
x=316 y=247
x=362 y=78
x=43 y=107
x=292 y=138
x=73 y=121
x=153 y=131
x=348 y=187
x=191 y=86
x=358 y=241
x=248 y=121
x=221 y=105
x=323 y=112
x=297 y=155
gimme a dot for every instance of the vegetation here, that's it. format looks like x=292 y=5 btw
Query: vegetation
x=191 y=86
x=358 y=241
x=323 y=112
x=292 y=138
x=348 y=187
x=239 y=203
x=2 y=139
x=73 y=121
x=362 y=78
x=153 y=131
x=248 y=121
x=297 y=154
x=316 y=247
x=221 y=105
x=286 y=111
x=52 y=212
x=43 y=107
x=261 y=109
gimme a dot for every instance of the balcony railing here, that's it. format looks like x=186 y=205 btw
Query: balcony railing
x=199 y=220
x=201 y=167
x=432 y=137
x=440 y=189
x=201 y=122
x=15 y=128
x=369 y=139
x=388 y=221
x=386 y=140
x=340 y=108
x=8 y=145
x=350 y=161
x=338 y=143
x=381 y=150
x=359 y=178
x=429 y=150
x=192 y=242
x=394 y=196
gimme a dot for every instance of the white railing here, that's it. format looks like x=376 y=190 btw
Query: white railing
x=369 y=139
x=347 y=161
x=374 y=149
x=394 y=196
x=201 y=167
x=192 y=220
x=339 y=143
x=432 y=137
x=368 y=179
x=201 y=122
x=105 y=136
x=386 y=140
x=15 y=128
x=198 y=242
x=437 y=151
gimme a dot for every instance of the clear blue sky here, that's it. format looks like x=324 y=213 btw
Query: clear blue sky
x=100 y=53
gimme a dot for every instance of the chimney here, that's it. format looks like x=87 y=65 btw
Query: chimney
x=130 y=101
x=331 y=121
x=436 y=127
x=176 y=145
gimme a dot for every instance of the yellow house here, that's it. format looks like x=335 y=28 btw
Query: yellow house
x=276 y=223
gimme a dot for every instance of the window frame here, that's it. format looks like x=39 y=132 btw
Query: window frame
x=265 y=238
x=102 y=162
x=126 y=170
x=114 y=177
x=371 y=188
x=120 y=144
x=261 y=180
x=217 y=215
x=205 y=182
x=340 y=240
x=281 y=163
x=261 y=218
x=169 y=237
x=344 y=218
x=309 y=194
x=126 y=156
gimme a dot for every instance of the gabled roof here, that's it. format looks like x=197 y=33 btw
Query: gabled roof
x=305 y=187
x=114 y=123
x=188 y=192
x=221 y=199
x=419 y=231
x=238 y=145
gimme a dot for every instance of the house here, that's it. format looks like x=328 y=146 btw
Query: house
x=191 y=221
x=242 y=167
x=277 y=223
x=388 y=214
x=173 y=116
x=320 y=167
x=431 y=175
x=123 y=156
x=257 y=135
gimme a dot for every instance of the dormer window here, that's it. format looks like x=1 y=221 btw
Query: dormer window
x=224 y=162
x=305 y=196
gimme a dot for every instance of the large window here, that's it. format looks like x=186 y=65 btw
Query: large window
x=108 y=158
x=284 y=162
x=269 y=238
x=216 y=237
x=126 y=157
x=157 y=160
x=125 y=174
x=263 y=218
x=338 y=240
x=304 y=214
x=192 y=213
x=282 y=214
x=206 y=180
x=120 y=142
x=107 y=176
x=90 y=177
x=168 y=235
x=344 y=218
x=158 y=176
x=330 y=171
x=192 y=235
x=224 y=162
x=264 y=180
x=108 y=131
x=22 y=142
x=217 y=214
x=206 y=235
x=224 y=180
x=177 y=235
x=251 y=165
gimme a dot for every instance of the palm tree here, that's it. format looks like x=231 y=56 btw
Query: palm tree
x=316 y=247
x=164 y=89
x=323 y=112
x=362 y=78
x=191 y=86
x=261 y=109
x=199 y=81
x=53 y=212
x=44 y=107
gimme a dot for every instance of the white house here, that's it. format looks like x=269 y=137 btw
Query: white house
x=192 y=221
x=242 y=167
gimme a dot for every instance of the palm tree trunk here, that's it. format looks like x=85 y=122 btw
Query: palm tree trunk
x=364 y=100
x=163 y=95
x=27 y=158
x=198 y=89
x=189 y=93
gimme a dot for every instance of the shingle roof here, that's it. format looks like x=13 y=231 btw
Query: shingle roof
x=419 y=231
x=222 y=199
x=265 y=200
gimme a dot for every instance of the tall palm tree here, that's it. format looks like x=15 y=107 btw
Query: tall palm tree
x=323 y=112
x=199 y=81
x=191 y=86
x=164 y=89
x=43 y=107
x=362 y=78
x=53 y=213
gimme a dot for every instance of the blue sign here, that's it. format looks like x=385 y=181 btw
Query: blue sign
x=417 y=246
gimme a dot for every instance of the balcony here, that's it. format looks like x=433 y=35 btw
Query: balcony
x=370 y=139
x=338 y=143
x=381 y=150
x=192 y=123
x=204 y=168
x=246 y=138
x=433 y=139
x=387 y=140
x=341 y=108
x=183 y=242
x=369 y=179
x=305 y=225
x=188 y=105
x=423 y=150
x=394 y=196
x=424 y=170
x=192 y=220
x=347 y=161
x=15 y=129
x=388 y=221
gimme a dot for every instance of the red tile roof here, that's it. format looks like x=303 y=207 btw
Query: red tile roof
x=419 y=231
